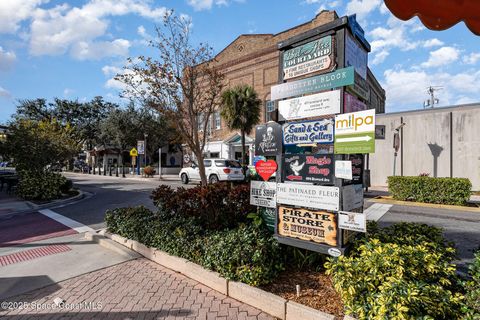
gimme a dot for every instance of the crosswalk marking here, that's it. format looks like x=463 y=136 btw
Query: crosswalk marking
x=75 y=225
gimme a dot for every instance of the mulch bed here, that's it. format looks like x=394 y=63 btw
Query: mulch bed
x=316 y=290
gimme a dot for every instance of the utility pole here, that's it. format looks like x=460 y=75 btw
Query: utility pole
x=432 y=101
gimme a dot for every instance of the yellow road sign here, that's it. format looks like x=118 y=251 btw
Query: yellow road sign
x=133 y=152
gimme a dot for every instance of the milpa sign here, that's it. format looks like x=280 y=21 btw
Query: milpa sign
x=355 y=132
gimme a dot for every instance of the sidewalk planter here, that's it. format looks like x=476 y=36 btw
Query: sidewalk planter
x=299 y=311
x=267 y=302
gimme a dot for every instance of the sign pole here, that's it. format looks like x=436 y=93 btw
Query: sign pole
x=160 y=164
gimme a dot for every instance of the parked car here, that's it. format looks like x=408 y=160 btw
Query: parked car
x=215 y=169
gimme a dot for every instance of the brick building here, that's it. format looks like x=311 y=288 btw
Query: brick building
x=253 y=59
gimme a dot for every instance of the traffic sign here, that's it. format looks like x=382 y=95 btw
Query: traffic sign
x=133 y=152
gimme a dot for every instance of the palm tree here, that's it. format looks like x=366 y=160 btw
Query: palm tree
x=241 y=111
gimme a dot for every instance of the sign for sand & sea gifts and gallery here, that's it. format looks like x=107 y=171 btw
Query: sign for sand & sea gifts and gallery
x=308 y=132
x=263 y=194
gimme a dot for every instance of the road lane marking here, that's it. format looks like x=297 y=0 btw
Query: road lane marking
x=376 y=211
x=75 y=225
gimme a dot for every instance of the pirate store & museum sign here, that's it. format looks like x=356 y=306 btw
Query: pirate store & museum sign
x=309 y=225
x=318 y=168
x=268 y=139
x=308 y=132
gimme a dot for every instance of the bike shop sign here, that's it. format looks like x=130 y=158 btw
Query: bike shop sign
x=307 y=58
x=308 y=132
x=262 y=194
x=310 y=196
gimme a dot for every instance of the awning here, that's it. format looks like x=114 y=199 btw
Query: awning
x=439 y=15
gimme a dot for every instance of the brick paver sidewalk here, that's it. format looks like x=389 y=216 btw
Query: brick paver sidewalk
x=137 y=289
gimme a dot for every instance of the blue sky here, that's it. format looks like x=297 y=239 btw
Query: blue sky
x=72 y=49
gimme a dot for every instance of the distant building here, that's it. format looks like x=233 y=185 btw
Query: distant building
x=440 y=142
x=253 y=59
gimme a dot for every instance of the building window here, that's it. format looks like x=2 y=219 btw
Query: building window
x=269 y=107
x=214 y=155
x=217 y=120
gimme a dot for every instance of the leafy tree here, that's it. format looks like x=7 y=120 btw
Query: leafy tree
x=123 y=127
x=83 y=117
x=241 y=111
x=34 y=145
x=183 y=84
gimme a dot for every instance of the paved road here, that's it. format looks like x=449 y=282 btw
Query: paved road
x=105 y=193
x=137 y=289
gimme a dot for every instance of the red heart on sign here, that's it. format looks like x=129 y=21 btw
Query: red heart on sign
x=266 y=168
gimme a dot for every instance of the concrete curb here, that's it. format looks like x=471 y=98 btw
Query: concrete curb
x=265 y=301
x=258 y=298
x=299 y=311
x=129 y=177
x=424 y=205
x=111 y=245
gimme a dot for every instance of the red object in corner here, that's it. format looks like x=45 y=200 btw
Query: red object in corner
x=439 y=14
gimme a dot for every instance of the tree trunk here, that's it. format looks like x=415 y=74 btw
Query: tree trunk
x=201 y=167
x=244 y=152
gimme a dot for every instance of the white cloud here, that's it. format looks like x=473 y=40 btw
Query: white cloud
x=362 y=8
x=432 y=43
x=97 y=50
x=441 y=57
x=408 y=89
x=380 y=57
x=4 y=93
x=472 y=58
x=199 y=5
x=110 y=71
x=67 y=92
x=7 y=59
x=79 y=30
x=13 y=12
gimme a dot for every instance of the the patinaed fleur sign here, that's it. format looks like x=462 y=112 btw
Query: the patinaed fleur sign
x=307 y=58
x=335 y=79
x=308 y=132
x=311 y=196
x=309 y=225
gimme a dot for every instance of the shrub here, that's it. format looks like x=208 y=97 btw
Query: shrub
x=216 y=206
x=67 y=186
x=135 y=223
x=472 y=289
x=149 y=171
x=247 y=254
x=392 y=281
x=454 y=191
x=40 y=185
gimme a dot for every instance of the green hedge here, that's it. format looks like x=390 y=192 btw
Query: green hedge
x=454 y=191
x=397 y=273
x=246 y=253
x=472 y=290
x=42 y=185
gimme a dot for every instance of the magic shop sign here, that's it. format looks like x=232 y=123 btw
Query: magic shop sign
x=318 y=168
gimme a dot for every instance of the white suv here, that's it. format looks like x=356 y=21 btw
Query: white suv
x=215 y=170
